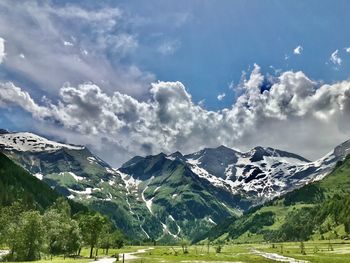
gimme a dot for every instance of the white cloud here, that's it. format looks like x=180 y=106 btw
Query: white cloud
x=79 y=45
x=124 y=43
x=335 y=59
x=10 y=94
x=169 y=47
x=294 y=114
x=221 y=96
x=68 y=43
x=347 y=49
x=298 y=50
x=2 y=49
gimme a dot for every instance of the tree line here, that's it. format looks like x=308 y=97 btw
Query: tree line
x=30 y=234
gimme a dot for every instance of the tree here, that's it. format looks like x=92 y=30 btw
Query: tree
x=62 y=233
x=184 y=245
x=106 y=240
x=302 y=248
x=208 y=246
x=62 y=206
x=26 y=237
x=219 y=246
x=91 y=226
x=55 y=229
x=9 y=219
x=347 y=225
x=118 y=239
x=73 y=240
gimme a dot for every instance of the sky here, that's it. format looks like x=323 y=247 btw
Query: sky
x=133 y=78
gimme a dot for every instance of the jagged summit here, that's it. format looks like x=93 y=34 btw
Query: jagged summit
x=161 y=195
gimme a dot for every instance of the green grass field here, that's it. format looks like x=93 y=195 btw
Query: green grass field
x=315 y=252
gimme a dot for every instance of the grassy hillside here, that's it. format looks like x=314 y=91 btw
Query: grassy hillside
x=320 y=210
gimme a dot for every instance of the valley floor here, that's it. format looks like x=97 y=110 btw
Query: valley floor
x=315 y=252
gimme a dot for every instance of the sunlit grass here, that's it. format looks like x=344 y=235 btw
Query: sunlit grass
x=337 y=251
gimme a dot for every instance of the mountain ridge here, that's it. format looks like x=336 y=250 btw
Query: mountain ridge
x=168 y=195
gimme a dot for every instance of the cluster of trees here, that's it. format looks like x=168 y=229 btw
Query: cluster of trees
x=325 y=218
x=29 y=234
x=254 y=224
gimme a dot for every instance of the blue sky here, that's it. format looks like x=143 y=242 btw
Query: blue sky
x=213 y=42
x=210 y=47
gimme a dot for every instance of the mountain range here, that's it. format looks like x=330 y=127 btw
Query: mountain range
x=167 y=196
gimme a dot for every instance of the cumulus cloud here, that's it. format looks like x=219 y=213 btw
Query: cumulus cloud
x=69 y=43
x=296 y=114
x=221 y=96
x=2 y=49
x=347 y=49
x=12 y=95
x=298 y=50
x=335 y=59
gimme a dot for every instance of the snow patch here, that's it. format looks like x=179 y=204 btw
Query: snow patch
x=91 y=159
x=29 y=142
x=76 y=177
x=39 y=176
x=87 y=191
x=211 y=221
x=167 y=231
x=155 y=190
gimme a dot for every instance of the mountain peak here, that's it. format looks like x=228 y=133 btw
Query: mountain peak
x=4 y=131
x=177 y=155
x=26 y=141
x=224 y=148
x=342 y=149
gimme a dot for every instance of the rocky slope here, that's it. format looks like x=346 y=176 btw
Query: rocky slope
x=319 y=211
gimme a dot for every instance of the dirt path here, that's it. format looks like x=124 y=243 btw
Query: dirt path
x=127 y=256
x=277 y=257
x=104 y=260
x=132 y=255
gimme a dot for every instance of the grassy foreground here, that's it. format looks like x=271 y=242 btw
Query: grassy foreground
x=315 y=252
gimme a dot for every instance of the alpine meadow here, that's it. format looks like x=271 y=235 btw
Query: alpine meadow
x=166 y=131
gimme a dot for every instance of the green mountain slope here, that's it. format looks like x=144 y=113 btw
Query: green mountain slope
x=82 y=177
x=17 y=184
x=182 y=203
x=320 y=210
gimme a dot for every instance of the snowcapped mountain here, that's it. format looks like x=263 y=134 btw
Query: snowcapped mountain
x=72 y=171
x=26 y=141
x=167 y=196
x=229 y=179
x=261 y=173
